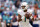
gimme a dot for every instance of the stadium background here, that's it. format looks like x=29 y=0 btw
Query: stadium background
x=16 y=5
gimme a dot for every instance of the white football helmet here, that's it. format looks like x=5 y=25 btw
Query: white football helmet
x=24 y=4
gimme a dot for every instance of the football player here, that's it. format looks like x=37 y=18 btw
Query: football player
x=22 y=12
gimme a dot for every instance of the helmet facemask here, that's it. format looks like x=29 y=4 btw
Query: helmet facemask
x=24 y=5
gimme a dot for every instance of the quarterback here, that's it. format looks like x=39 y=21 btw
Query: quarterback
x=23 y=14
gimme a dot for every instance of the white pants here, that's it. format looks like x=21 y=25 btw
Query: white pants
x=25 y=24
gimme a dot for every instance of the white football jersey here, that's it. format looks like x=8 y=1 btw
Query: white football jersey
x=21 y=23
x=21 y=12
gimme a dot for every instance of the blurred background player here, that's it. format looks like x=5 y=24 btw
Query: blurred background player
x=0 y=20
x=14 y=21
x=8 y=21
